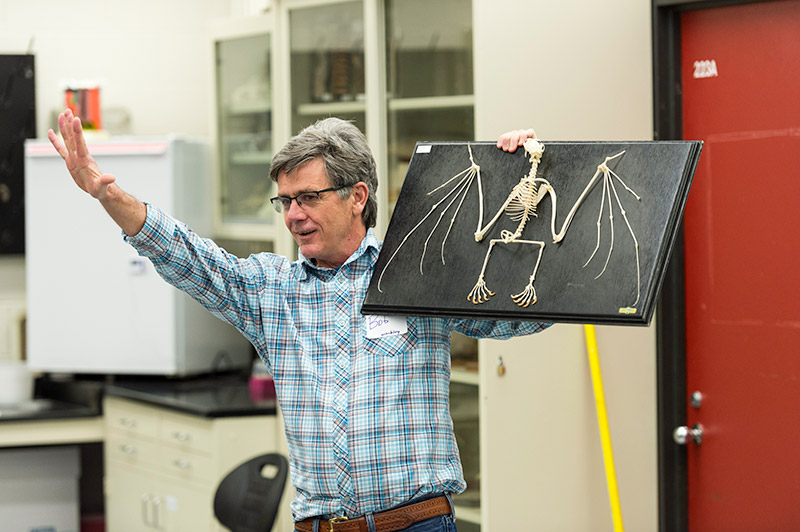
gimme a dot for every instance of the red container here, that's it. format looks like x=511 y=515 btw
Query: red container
x=85 y=104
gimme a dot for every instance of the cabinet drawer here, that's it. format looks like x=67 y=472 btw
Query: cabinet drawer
x=132 y=451
x=187 y=466
x=186 y=433
x=131 y=418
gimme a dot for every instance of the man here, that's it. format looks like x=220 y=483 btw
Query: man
x=367 y=419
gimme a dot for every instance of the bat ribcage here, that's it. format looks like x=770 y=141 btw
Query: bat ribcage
x=523 y=201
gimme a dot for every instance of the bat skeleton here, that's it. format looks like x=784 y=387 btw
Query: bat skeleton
x=520 y=206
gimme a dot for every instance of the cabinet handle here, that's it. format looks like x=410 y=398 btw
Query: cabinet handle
x=127 y=448
x=182 y=436
x=145 y=504
x=151 y=515
x=127 y=422
x=157 y=512
x=182 y=464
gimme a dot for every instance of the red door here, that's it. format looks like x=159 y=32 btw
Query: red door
x=741 y=95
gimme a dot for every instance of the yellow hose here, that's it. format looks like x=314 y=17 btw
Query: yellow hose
x=602 y=421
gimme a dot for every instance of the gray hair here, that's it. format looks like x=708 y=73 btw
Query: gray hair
x=344 y=153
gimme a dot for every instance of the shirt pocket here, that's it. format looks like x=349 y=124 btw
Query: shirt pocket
x=391 y=346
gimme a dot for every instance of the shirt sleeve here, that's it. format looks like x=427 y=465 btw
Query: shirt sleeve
x=233 y=289
x=498 y=330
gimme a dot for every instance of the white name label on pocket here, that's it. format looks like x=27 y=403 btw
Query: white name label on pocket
x=381 y=326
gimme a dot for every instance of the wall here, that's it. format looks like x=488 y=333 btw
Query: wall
x=576 y=70
x=153 y=58
x=573 y=70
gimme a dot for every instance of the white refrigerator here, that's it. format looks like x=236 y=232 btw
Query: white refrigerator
x=94 y=305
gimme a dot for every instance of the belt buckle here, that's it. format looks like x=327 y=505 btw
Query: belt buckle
x=333 y=521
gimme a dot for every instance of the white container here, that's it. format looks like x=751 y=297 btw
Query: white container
x=16 y=382
x=39 y=489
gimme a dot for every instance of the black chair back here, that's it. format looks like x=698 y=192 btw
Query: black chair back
x=247 y=499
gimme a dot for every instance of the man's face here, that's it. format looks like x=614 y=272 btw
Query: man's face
x=330 y=231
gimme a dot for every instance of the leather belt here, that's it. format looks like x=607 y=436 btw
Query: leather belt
x=388 y=521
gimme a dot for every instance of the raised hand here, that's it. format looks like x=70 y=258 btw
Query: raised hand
x=80 y=163
x=513 y=139
x=128 y=212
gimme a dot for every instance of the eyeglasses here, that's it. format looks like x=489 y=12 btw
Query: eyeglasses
x=306 y=200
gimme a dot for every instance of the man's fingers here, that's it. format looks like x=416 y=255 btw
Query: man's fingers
x=519 y=136
x=79 y=141
x=65 y=126
x=513 y=139
x=72 y=133
x=57 y=143
x=504 y=142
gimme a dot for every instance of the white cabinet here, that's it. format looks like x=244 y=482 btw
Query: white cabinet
x=163 y=467
x=160 y=504
x=94 y=305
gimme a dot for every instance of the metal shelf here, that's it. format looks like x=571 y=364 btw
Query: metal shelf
x=431 y=102
x=464 y=376
x=332 y=108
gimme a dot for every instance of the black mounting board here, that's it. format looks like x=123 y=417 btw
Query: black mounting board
x=660 y=172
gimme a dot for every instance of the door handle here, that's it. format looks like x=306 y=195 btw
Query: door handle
x=683 y=434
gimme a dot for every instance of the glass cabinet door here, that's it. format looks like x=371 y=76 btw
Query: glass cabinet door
x=429 y=78
x=430 y=98
x=327 y=63
x=244 y=122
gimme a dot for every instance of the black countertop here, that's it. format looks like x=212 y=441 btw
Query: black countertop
x=76 y=397
x=45 y=409
x=206 y=397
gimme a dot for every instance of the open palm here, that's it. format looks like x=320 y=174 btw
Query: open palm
x=80 y=163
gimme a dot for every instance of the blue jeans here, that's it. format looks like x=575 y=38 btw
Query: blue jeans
x=442 y=523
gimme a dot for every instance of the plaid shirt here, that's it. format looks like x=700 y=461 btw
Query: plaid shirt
x=367 y=420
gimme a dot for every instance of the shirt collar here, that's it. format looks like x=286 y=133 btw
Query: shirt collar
x=369 y=247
